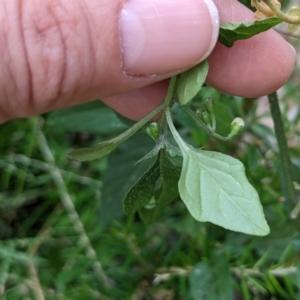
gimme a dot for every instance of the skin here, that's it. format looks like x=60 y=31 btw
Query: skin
x=44 y=66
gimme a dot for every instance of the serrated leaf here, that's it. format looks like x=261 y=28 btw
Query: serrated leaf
x=142 y=192
x=170 y=169
x=191 y=81
x=214 y=188
x=93 y=117
x=232 y=32
x=122 y=173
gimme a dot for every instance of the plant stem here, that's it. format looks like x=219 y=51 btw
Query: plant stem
x=208 y=129
x=138 y=125
x=284 y=155
x=281 y=15
x=106 y=147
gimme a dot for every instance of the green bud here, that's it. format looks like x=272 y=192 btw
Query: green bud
x=209 y=105
x=205 y=117
x=199 y=112
x=237 y=126
x=153 y=130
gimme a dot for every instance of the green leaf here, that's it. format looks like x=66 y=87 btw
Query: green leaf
x=122 y=173
x=191 y=81
x=142 y=192
x=212 y=280
x=214 y=188
x=106 y=147
x=232 y=32
x=170 y=169
x=97 y=152
x=93 y=117
x=201 y=282
x=223 y=281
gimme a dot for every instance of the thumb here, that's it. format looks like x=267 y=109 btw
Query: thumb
x=61 y=53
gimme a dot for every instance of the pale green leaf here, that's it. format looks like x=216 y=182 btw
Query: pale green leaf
x=191 y=81
x=215 y=189
x=232 y=32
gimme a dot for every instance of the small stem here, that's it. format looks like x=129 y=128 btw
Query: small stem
x=284 y=17
x=138 y=125
x=173 y=130
x=208 y=129
x=284 y=155
x=172 y=91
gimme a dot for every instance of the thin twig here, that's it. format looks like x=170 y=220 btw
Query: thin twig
x=208 y=129
x=28 y=161
x=36 y=286
x=164 y=274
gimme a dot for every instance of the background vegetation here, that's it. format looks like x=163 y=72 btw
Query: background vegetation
x=63 y=234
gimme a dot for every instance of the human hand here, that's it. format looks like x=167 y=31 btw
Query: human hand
x=58 y=53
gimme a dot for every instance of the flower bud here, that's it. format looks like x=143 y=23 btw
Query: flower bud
x=203 y=116
x=237 y=126
x=209 y=105
x=153 y=130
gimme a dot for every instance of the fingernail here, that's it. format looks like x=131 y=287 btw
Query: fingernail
x=163 y=36
x=294 y=50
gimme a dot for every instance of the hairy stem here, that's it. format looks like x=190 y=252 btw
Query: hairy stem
x=167 y=102
x=284 y=17
x=208 y=129
x=284 y=155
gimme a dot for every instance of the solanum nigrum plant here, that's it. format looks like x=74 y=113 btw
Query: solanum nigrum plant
x=212 y=185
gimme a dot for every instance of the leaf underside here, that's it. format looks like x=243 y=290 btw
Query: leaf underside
x=215 y=189
x=191 y=82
